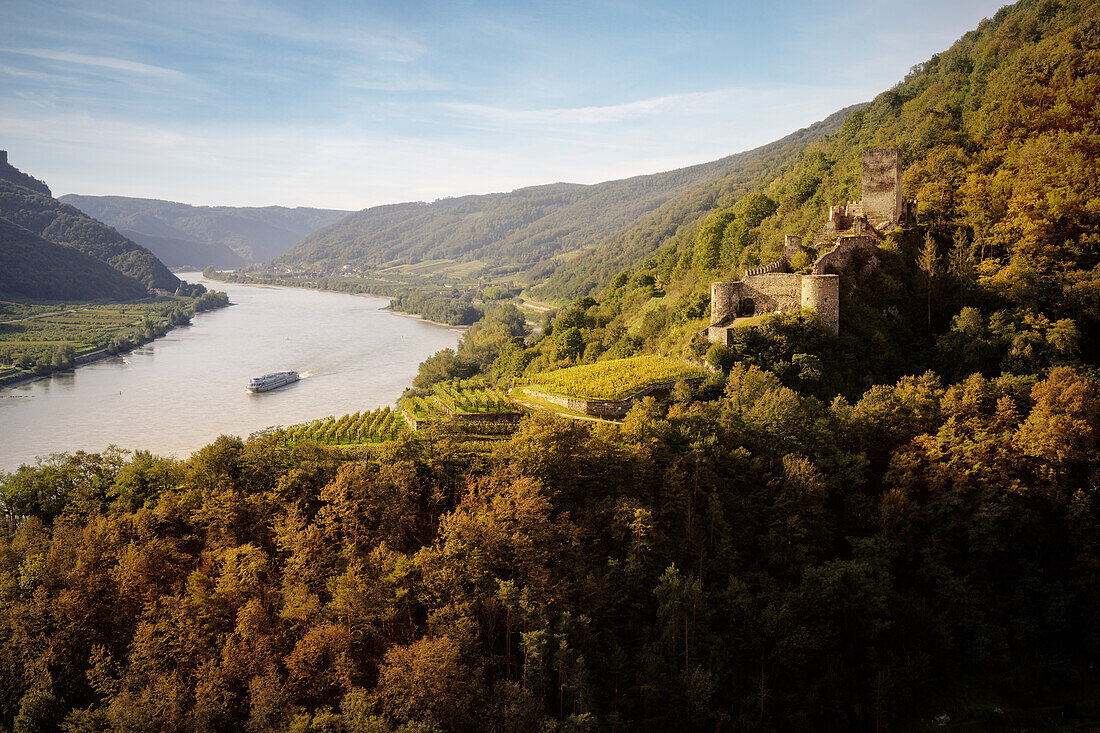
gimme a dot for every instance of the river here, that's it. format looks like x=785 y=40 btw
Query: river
x=180 y=392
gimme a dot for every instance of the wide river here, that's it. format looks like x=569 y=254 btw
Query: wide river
x=180 y=392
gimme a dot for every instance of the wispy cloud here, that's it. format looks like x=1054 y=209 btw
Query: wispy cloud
x=97 y=62
x=639 y=109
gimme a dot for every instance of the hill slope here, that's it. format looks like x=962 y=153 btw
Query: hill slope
x=256 y=234
x=32 y=267
x=10 y=173
x=60 y=223
x=176 y=253
x=1001 y=275
x=518 y=233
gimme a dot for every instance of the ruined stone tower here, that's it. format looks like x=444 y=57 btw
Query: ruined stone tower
x=883 y=206
x=821 y=294
x=850 y=237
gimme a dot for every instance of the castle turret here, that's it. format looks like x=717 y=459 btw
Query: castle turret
x=821 y=294
x=724 y=299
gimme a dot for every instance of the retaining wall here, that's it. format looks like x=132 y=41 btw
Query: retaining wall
x=610 y=409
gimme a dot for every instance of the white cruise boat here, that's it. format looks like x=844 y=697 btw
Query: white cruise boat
x=271 y=381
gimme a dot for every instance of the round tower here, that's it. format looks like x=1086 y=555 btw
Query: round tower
x=724 y=299
x=821 y=294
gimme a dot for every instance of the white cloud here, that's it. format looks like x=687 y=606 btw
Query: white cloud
x=98 y=62
x=348 y=166
x=586 y=115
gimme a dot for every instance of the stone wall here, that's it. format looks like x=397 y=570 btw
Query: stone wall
x=609 y=409
x=821 y=294
x=882 y=202
x=776 y=291
x=844 y=251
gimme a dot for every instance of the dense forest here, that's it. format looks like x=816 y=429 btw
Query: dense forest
x=762 y=560
x=31 y=267
x=60 y=223
x=254 y=233
x=863 y=530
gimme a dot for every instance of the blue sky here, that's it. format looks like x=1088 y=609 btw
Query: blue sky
x=348 y=105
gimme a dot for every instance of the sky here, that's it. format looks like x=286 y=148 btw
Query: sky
x=354 y=104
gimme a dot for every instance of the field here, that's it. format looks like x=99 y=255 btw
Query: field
x=615 y=379
x=360 y=428
x=39 y=337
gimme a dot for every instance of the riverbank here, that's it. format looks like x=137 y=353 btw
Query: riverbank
x=181 y=392
x=417 y=316
x=15 y=380
x=119 y=324
x=396 y=290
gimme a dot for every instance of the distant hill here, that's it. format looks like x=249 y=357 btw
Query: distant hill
x=177 y=253
x=257 y=234
x=60 y=223
x=531 y=232
x=32 y=267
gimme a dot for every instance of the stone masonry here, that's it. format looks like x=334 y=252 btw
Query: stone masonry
x=852 y=233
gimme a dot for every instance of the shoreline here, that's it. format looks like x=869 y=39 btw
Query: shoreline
x=78 y=362
x=92 y=357
x=449 y=326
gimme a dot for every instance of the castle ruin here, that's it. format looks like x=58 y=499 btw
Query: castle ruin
x=854 y=229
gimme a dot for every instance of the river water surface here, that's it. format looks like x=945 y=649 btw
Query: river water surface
x=178 y=393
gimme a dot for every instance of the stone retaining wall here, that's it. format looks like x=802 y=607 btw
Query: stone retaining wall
x=610 y=409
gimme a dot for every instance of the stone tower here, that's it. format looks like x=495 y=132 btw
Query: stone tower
x=725 y=298
x=3 y=157
x=882 y=203
x=821 y=294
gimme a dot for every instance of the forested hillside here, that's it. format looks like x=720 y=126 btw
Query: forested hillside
x=175 y=253
x=528 y=233
x=893 y=528
x=999 y=142
x=31 y=267
x=10 y=173
x=256 y=234
x=62 y=224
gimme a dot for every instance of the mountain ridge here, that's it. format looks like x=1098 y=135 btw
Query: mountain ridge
x=255 y=233
x=515 y=233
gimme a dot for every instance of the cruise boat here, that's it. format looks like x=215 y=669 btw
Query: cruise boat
x=271 y=381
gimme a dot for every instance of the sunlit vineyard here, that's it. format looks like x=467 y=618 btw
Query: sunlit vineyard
x=360 y=428
x=615 y=379
x=472 y=399
x=423 y=408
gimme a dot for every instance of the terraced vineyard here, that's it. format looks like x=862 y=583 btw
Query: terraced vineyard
x=472 y=400
x=360 y=428
x=615 y=379
x=424 y=408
